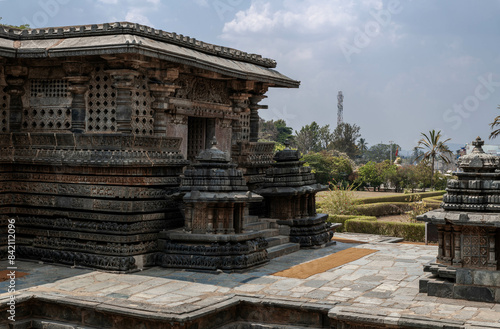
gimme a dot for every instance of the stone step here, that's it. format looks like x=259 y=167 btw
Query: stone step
x=251 y=219
x=283 y=249
x=277 y=240
x=269 y=232
x=256 y=226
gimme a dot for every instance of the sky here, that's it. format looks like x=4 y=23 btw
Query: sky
x=405 y=67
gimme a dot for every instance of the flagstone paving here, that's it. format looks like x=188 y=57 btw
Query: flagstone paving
x=383 y=285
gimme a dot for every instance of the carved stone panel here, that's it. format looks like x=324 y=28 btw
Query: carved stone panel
x=101 y=103
x=475 y=246
x=202 y=89
x=48 y=107
x=4 y=111
x=142 y=113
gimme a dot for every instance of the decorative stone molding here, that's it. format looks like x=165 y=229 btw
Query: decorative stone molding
x=78 y=79
x=15 y=79
x=123 y=81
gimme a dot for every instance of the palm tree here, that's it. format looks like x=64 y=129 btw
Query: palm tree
x=495 y=123
x=435 y=149
x=362 y=145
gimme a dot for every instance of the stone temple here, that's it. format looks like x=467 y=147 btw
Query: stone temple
x=467 y=265
x=98 y=123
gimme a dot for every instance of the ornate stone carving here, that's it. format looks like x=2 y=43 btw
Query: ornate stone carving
x=101 y=104
x=468 y=232
x=15 y=79
x=202 y=89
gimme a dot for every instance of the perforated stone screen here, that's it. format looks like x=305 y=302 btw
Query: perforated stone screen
x=4 y=112
x=48 y=107
x=101 y=103
x=142 y=114
x=245 y=126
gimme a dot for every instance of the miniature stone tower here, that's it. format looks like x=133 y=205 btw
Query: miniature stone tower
x=290 y=196
x=468 y=232
x=213 y=238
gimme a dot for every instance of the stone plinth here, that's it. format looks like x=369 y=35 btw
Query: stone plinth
x=215 y=199
x=468 y=225
x=89 y=200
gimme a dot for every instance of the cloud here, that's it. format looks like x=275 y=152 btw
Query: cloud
x=134 y=15
x=109 y=2
x=309 y=16
x=202 y=3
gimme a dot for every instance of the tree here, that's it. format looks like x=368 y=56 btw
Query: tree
x=344 y=138
x=416 y=154
x=313 y=138
x=380 y=152
x=369 y=174
x=362 y=145
x=327 y=167
x=495 y=123
x=284 y=132
x=436 y=149
x=22 y=27
x=267 y=130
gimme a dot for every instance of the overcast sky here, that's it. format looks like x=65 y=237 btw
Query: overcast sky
x=404 y=67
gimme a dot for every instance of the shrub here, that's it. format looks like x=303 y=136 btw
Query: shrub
x=383 y=208
x=339 y=201
x=400 y=198
x=408 y=231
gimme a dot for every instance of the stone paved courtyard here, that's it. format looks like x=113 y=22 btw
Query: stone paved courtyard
x=380 y=288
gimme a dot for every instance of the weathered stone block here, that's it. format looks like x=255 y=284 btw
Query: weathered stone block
x=474 y=293
x=464 y=276
x=422 y=286
x=440 y=289
x=486 y=278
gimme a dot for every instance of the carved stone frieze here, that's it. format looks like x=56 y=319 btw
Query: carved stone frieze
x=202 y=89
x=110 y=263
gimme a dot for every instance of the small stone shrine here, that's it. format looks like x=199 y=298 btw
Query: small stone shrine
x=290 y=196
x=468 y=225
x=216 y=197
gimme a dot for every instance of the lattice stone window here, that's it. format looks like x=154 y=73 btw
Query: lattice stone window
x=47 y=118
x=4 y=112
x=48 y=109
x=142 y=114
x=245 y=126
x=101 y=103
x=49 y=88
x=475 y=246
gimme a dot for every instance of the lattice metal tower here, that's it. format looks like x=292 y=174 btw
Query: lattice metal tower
x=340 y=107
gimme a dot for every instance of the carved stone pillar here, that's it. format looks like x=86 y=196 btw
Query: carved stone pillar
x=254 y=117
x=78 y=84
x=124 y=83
x=448 y=243
x=440 y=255
x=16 y=78
x=240 y=105
x=457 y=246
x=161 y=93
x=492 y=256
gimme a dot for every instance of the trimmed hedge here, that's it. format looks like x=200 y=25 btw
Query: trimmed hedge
x=343 y=218
x=408 y=231
x=401 y=198
x=383 y=208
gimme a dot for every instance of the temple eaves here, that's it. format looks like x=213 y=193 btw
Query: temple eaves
x=125 y=37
